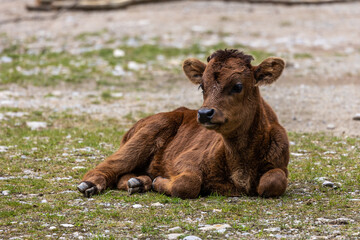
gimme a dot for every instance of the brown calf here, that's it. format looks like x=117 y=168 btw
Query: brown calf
x=232 y=145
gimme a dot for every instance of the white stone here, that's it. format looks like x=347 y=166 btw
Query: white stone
x=3 y=149
x=357 y=116
x=328 y=184
x=118 y=71
x=191 y=237
x=78 y=167
x=36 y=125
x=174 y=229
x=66 y=225
x=5 y=192
x=174 y=235
x=274 y=229
x=52 y=228
x=331 y=126
x=6 y=59
x=44 y=201
x=117 y=95
x=135 y=66
x=137 y=206
x=216 y=227
x=157 y=204
x=118 y=53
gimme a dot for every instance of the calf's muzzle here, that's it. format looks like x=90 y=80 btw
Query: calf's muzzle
x=205 y=115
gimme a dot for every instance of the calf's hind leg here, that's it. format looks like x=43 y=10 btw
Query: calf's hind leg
x=185 y=185
x=273 y=183
x=134 y=184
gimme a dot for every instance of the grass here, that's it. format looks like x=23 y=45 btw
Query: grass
x=41 y=169
x=89 y=65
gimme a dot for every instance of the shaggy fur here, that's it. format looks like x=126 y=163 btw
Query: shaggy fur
x=242 y=149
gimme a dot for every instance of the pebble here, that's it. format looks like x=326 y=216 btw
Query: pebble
x=66 y=225
x=174 y=229
x=117 y=95
x=191 y=237
x=274 y=229
x=118 y=71
x=44 y=201
x=6 y=59
x=36 y=125
x=331 y=126
x=78 y=167
x=118 y=53
x=3 y=149
x=137 y=206
x=5 y=193
x=52 y=228
x=157 y=204
x=328 y=184
x=217 y=227
x=135 y=66
x=174 y=235
x=357 y=117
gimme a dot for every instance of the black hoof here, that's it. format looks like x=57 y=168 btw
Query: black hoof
x=82 y=187
x=135 y=186
x=91 y=191
x=87 y=188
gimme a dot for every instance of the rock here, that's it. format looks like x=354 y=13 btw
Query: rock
x=117 y=95
x=137 y=206
x=52 y=228
x=357 y=117
x=191 y=237
x=217 y=227
x=320 y=179
x=174 y=229
x=118 y=71
x=118 y=53
x=135 y=66
x=328 y=184
x=3 y=149
x=274 y=229
x=67 y=225
x=78 y=167
x=44 y=201
x=36 y=125
x=341 y=221
x=6 y=59
x=174 y=235
x=5 y=192
x=331 y=126
x=157 y=204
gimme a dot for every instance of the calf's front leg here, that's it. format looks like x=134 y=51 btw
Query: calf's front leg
x=273 y=183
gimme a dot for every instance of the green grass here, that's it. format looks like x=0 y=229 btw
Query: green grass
x=49 y=68
x=44 y=165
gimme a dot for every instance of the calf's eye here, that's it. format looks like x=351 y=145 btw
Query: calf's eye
x=237 y=88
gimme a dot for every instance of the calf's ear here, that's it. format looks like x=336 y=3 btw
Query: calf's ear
x=194 y=69
x=268 y=71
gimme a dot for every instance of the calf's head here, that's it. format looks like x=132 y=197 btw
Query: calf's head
x=230 y=87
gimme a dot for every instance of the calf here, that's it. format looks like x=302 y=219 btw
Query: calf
x=232 y=145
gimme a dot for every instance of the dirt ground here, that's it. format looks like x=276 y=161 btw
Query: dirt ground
x=319 y=90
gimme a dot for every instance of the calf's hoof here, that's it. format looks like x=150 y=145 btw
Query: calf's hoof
x=135 y=186
x=87 y=188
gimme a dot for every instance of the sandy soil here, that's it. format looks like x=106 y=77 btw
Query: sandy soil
x=320 y=93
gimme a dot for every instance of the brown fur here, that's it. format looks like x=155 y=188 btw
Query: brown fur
x=244 y=150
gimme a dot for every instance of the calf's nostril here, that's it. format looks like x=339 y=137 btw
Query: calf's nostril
x=210 y=112
x=205 y=115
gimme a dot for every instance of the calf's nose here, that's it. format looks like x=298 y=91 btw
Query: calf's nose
x=205 y=115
